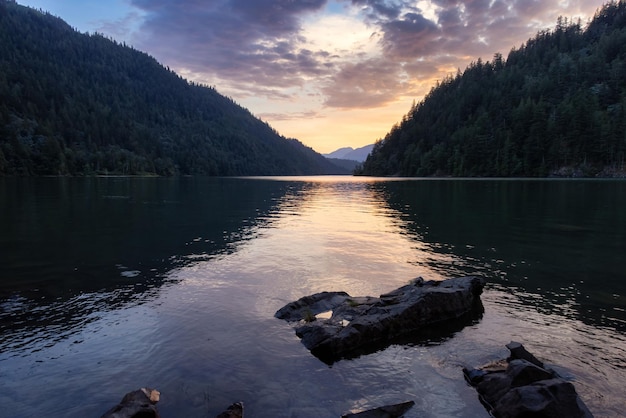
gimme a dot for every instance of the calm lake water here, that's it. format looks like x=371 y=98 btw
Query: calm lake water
x=111 y=284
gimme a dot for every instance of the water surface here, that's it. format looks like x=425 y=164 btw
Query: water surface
x=110 y=284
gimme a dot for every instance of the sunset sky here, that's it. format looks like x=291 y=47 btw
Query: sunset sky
x=331 y=73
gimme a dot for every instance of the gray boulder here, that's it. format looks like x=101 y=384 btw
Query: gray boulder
x=359 y=325
x=522 y=386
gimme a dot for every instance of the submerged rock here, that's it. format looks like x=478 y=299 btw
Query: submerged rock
x=233 y=411
x=359 y=325
x=522 y=386
x=388 y=411
x=137 y=404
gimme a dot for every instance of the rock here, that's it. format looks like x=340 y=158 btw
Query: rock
x=137 y=404
x=364 y=324
x=315 y=304
x=546 y=398
x=233 y=411
x=524 y=387
x=388 y=411
x=519 y=352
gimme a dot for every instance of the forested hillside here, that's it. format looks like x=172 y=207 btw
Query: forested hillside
x=555 y=106
x=80 y=104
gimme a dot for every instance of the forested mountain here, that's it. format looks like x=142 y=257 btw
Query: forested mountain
x=73 y=103
x=555 y=106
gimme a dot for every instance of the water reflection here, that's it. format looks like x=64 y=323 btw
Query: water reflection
x=71 y=247
x=559 y=240
x=177 y=282
x=335 y=236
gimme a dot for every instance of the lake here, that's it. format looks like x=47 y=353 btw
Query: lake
x=112 y=284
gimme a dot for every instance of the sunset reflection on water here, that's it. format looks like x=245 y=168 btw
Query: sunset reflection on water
x=337 y=233
x=189 y=307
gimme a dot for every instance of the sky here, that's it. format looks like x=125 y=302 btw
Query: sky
x=331 y=73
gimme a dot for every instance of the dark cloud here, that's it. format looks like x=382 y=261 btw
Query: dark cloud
x=461 y=28
x=411 y=36
x=377 y=9
x=277 y=16
x=247 y=41
x=421 y=69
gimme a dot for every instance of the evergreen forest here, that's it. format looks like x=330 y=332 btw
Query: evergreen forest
x=82 y=104
x=556 y=106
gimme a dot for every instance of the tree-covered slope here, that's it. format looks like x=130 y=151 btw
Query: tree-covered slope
x=555 y=106
x=73 y=103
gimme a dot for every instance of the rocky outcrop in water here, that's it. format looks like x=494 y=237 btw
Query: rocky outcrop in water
x=358 y=325
x=142 y=404
x=137 y=404
x=521 y=386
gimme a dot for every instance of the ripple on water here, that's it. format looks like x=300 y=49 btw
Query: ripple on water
x=205 y=336
x=592 y=357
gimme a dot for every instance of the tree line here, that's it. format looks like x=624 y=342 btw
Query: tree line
x=556 y=106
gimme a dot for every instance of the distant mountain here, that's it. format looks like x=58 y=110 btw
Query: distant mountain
x=79 y=104
x=349 y=153
x=555 y=107
x=340 y=153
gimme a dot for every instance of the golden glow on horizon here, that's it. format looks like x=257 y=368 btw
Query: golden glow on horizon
x=354 y=128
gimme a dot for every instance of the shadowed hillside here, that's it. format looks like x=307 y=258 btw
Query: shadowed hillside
x=81 y=104
x=555 y=106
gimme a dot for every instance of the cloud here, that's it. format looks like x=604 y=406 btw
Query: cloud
x=366 y=84
x=421 y=41
x=121 y=28
x=380 y=9
x=411 y=36
x=290 y=116
x=277 y=16
x=374 y=53
x=253 y=42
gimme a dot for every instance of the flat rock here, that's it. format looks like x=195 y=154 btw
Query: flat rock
x=523 y=387
x=359 y=325
x=309 y=306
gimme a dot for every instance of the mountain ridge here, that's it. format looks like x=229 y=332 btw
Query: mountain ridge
x=349 y=153
x=82 y=104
